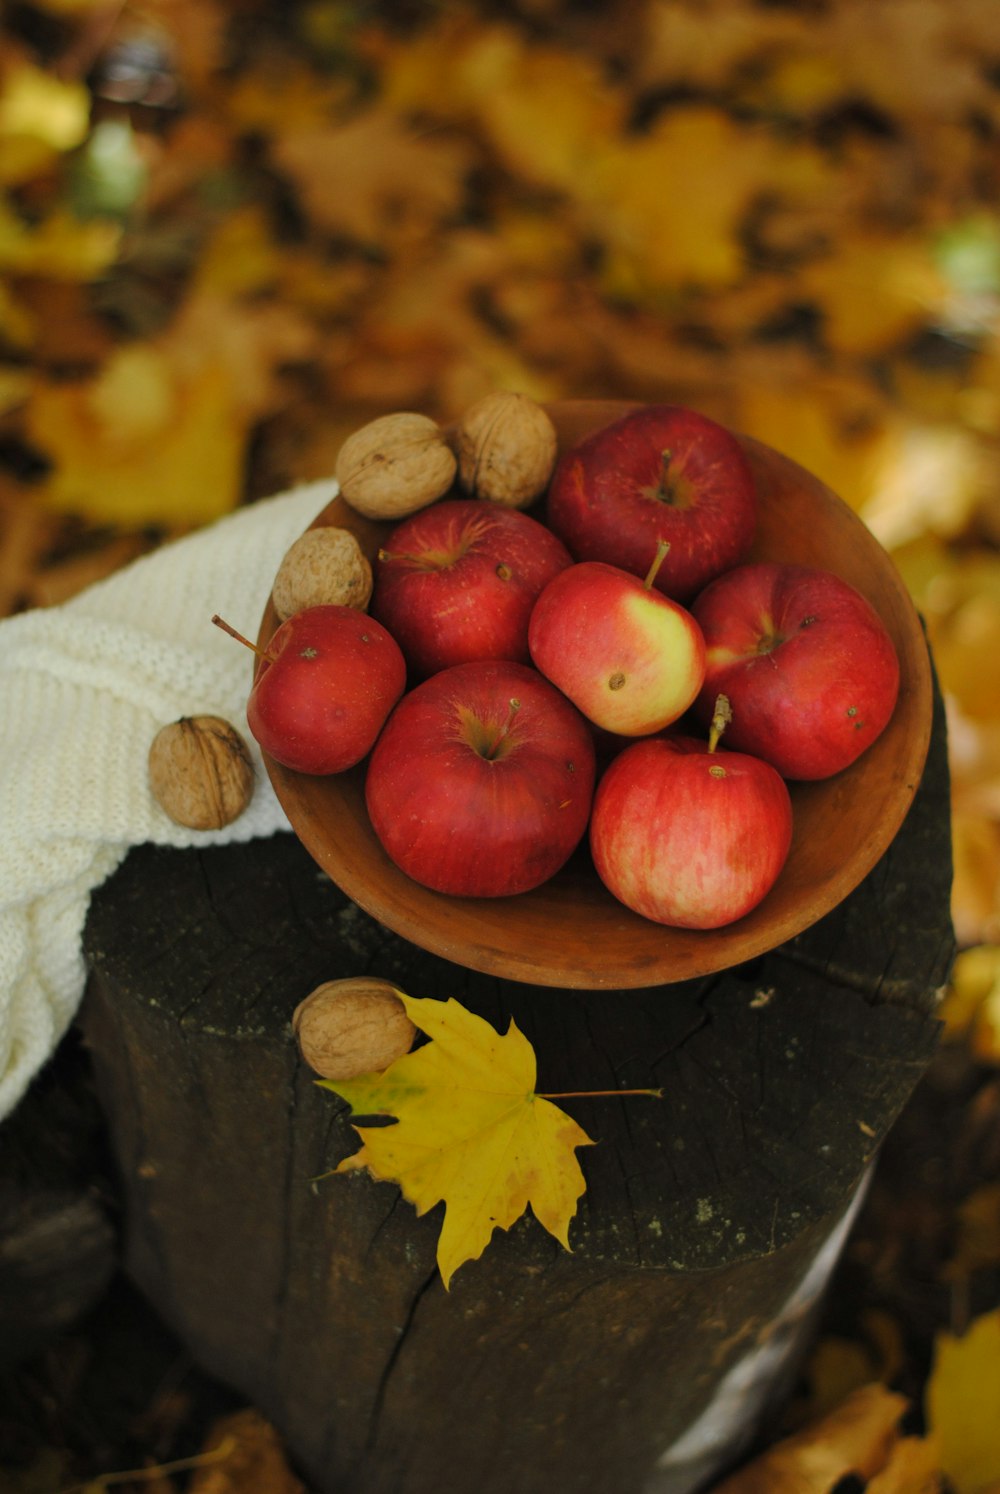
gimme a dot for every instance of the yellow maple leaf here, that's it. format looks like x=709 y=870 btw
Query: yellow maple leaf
x=60 y=247
x=159 y=433
x=671 y=204
x=963 y=1404
x=971 y=1007
x=875 y=290
x=471 y=1132
x=837 y=428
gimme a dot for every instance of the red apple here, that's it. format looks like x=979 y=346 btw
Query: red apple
x=481 y=782
x=689 y=836
x=629 y=657
x=457 y=581
x=328 y=679
x=662 y=472
x=807 y=663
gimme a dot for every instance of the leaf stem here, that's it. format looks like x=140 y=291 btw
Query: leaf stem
x=587 y=1094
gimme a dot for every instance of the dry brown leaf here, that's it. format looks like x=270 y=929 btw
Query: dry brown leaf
x=857 y=1437
x=916 y=61
x=256 y=1463
x=374 y=178
x=283 y=95
x=26 y=530
x=913 y=1468
x=977 y=1246
x=708 y=45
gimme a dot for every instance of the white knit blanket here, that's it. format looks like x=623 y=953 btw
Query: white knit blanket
x=83 y=690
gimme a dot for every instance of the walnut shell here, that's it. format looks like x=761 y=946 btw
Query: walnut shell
x=201 y=772
x=323 y=566
x=353 y=1026
x=507 y=449
x=395 y=465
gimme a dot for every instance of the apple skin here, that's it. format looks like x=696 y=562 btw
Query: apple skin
x=457 y=582
x=806 y=662
x=688 y=837
x=631 y=659
x=614 y=496
x=330 y=677
x=461 y=821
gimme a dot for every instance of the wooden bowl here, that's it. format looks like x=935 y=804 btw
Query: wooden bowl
x=571 y=932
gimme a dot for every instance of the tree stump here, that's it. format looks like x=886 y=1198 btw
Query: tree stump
x=641 y=1360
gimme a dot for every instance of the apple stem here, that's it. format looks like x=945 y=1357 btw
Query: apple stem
x=661 y=550
x=721 y=717
x=515 y=706
x=261 y=653
x=587 y=1094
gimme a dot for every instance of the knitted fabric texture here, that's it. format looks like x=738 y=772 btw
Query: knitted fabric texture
x=85 y=688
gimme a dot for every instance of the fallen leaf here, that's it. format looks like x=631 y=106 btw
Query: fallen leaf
x=244 y=1455
x=141 y=444
x=977 y=1244
x=913 y=1468
x=962 y=1401
x=857 y=1437
x=837 y=428
x=550 y=114
x=159 y=434
x=471 y=1132
x=972 y=999
x=35 y=105
x=374 y=178
x=875 y=290
x=933 y=485
x=60 y=246
x=975 y=896
x=671 y=205
x=714 y=44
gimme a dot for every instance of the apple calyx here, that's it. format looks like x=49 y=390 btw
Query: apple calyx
x=261 y=653
x=671 y=488
x=442 y=557
x=486 y=738
x=661 y=554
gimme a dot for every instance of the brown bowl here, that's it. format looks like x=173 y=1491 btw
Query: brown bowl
x=571 y=932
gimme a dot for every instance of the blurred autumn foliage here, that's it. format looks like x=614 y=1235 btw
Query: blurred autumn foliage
x=231 y=232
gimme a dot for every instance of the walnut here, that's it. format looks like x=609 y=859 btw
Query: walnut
x=506 y=446
x=395 y=465
x=201 y=772
x=323 y=566
x=353 y=1026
